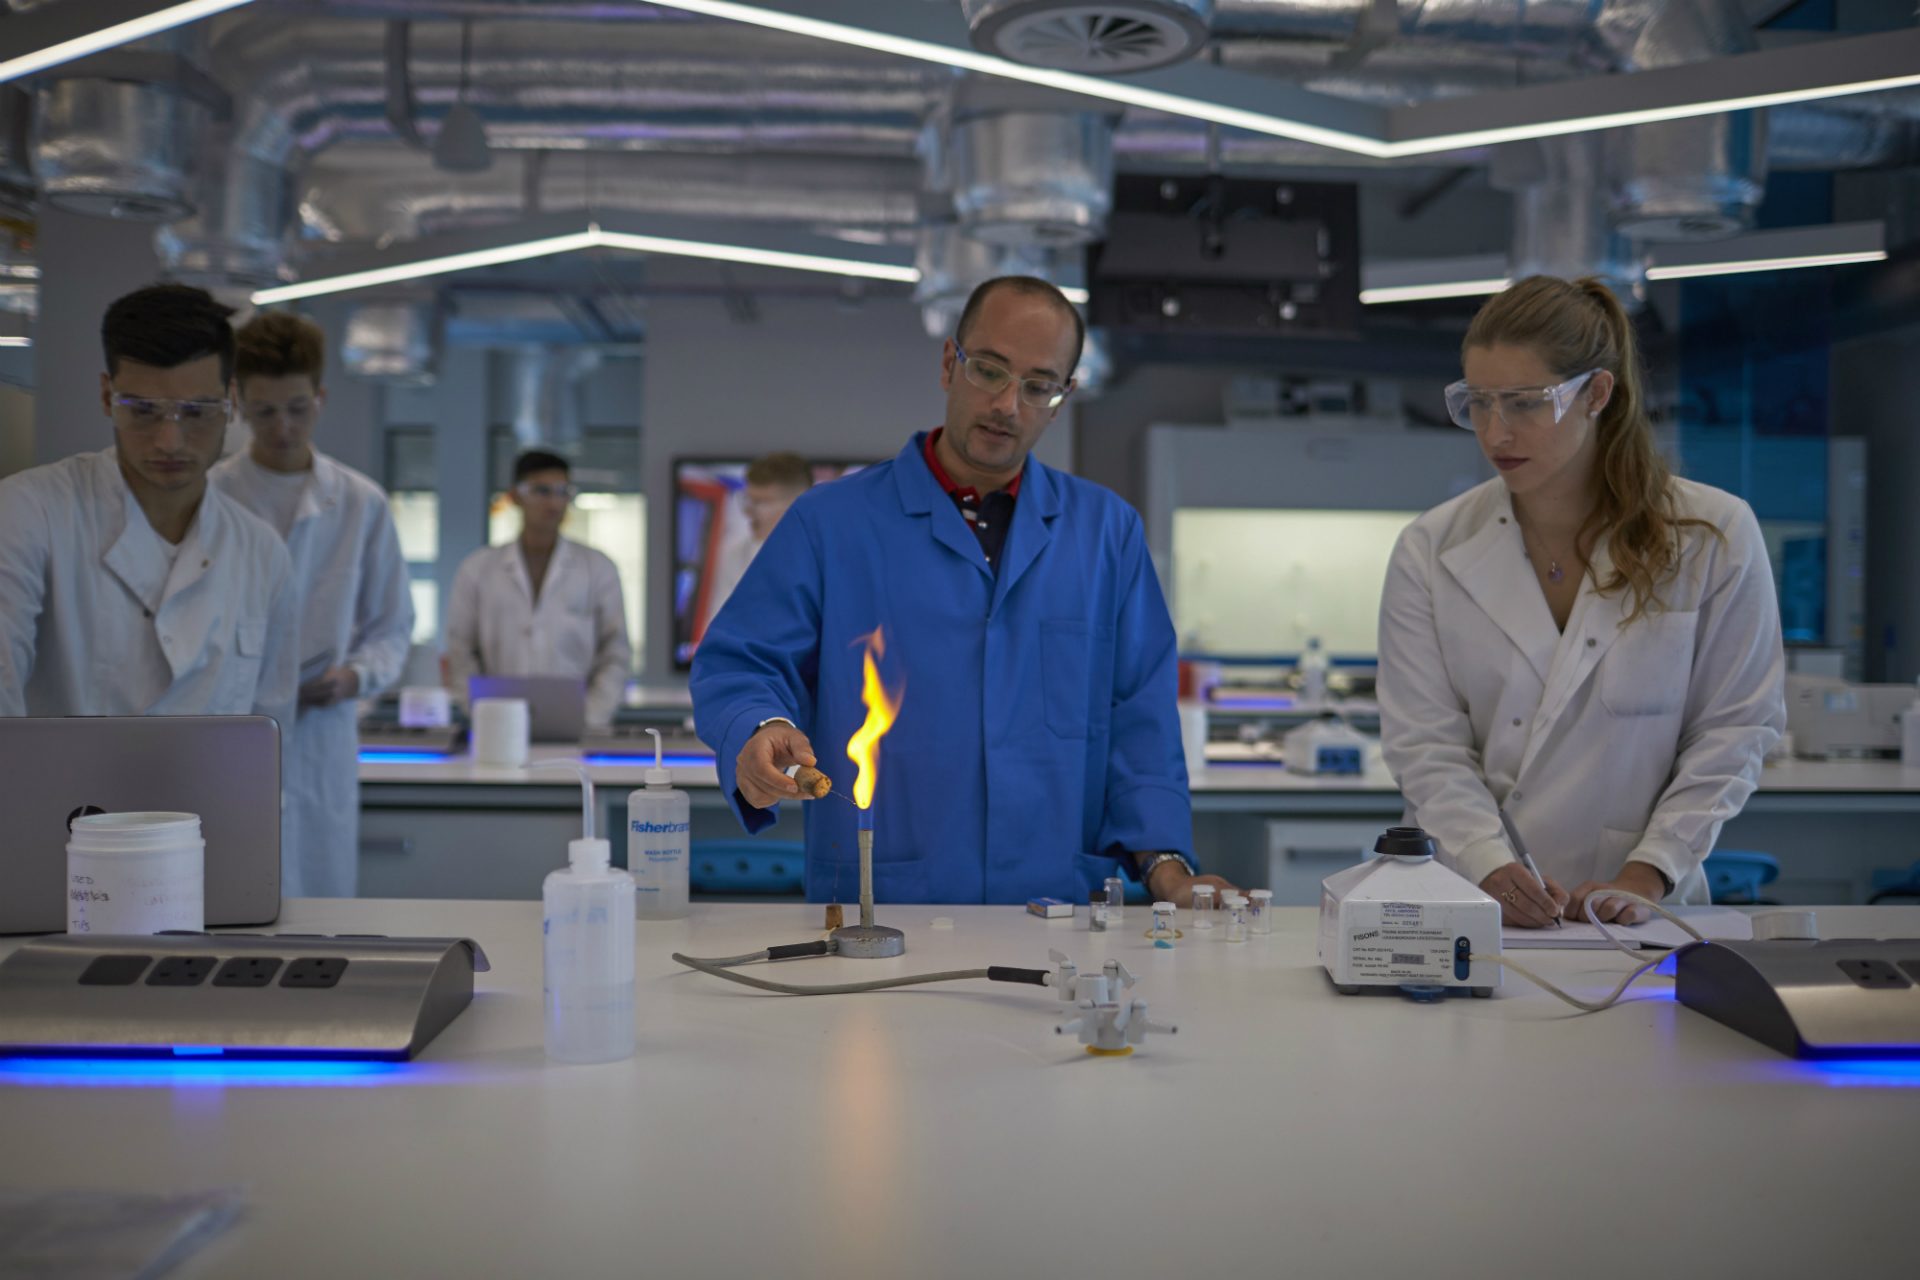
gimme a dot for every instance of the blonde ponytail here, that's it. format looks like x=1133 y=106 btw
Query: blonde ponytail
x=1576 y=326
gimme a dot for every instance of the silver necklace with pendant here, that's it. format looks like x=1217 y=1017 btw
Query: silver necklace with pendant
x=1554 y=572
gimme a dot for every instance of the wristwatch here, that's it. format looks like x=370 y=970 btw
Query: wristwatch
x=1145 y=869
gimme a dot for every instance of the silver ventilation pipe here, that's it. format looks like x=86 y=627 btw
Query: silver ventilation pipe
x=1694 y=179
x=367 y=191
x=549 y=386
x=114 y=133
x=1029 y=166
x=397 y=340
x=1560 y=208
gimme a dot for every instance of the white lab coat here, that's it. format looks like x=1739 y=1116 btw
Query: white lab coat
x=355 y=602
x=578 y=627
x=95 y=623
x=1607 y=743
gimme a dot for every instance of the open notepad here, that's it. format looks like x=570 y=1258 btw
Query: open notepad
x=1714 y=922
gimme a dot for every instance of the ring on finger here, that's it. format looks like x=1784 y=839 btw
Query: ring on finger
x=1511 y=896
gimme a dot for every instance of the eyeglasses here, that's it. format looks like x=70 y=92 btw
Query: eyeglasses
x=993 y=379
x=566 y=492
x=198 y=419
x=262 y=413
x=1475 y=407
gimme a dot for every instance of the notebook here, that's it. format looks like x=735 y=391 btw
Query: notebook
x=1714 y=922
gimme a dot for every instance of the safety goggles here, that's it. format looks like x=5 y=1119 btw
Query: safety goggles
x=144 y=414
x=567 y=492
x=993 y=379
x=1474 y=407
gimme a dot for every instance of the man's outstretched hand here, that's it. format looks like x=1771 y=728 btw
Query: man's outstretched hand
x=760 y=771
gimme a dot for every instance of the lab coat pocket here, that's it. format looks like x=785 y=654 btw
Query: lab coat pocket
x=1647 y=670
x=1063 y=670
x=250 y=639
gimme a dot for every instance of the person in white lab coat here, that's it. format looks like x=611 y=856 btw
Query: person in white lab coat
x=1586 y=641
x=541 y=605
x=128 y=586
x=356 y=606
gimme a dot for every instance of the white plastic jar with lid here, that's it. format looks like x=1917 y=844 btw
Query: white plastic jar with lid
x=136 y=873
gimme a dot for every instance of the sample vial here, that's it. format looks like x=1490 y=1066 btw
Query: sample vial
x=1116 y=898
x=1163 y=931
x=1203 y=906
x=1236 y=918
x=1260 y=911
x=1097 y=911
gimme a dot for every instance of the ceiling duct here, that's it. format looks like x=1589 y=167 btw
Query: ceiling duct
x=1560 y=206
x=114 y=133
x=1026 y=175
x=1700 y=178
x=549 y=387
x=236 y=235
x=952 y=264
x=397 y=341
x=1107 y=37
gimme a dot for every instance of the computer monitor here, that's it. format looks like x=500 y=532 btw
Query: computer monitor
x=226 y=769
x=556 y=705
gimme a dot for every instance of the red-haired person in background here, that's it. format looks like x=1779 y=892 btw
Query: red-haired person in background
x=356 y=608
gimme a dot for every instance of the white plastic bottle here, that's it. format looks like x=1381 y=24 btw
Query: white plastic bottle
x=587 y=927
x=1313 y=674
x=1910 y=732
x=659 y=836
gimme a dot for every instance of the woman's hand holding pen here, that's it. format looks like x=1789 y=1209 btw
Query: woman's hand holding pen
x=1522 y=901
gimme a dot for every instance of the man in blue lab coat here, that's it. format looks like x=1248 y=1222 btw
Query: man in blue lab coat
x=1037 y=744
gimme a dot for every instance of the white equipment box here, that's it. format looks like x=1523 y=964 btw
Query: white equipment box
x=1403 y=920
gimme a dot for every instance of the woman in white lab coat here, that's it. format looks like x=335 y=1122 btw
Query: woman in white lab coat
x=1585 y=641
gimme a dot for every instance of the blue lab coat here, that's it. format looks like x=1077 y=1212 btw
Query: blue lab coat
x=1037 y=737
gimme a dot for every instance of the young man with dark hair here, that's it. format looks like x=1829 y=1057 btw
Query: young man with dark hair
x=356 y=605
x=541 y=605
x=128 y=586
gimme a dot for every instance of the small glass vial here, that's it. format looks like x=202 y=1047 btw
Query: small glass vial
x=1116 y=898
x=1236 y=909
x=1203 y=906
x=1260 y=911
x=1097 y=911
x=1163 y=931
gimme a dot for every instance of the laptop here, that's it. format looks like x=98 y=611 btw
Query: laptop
x=556 y=705
x=224 y=768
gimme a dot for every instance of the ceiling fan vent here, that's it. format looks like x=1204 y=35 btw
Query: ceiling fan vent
x=1093 y=39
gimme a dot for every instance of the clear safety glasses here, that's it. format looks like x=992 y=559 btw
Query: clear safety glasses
x=993 y=379
x=566 y=492
x=1474 y=407
x=143 y=415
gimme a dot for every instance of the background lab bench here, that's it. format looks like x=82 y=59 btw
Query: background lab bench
x=432 y=829
x=948 y=1132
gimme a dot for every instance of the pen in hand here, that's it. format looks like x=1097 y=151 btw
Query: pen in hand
x=1526 y=860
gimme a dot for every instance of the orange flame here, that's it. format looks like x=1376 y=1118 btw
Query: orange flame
x=882 y=710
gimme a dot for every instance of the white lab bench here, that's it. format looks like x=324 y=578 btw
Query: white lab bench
x=948 y=1132
x=431 y=829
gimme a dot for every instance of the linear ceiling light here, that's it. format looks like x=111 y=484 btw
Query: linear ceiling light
x=1065 y=81
x=1764 y=264
x=1255 y=121
x=16 y=342
x=1445 y=289
x=110 y=37
x=592 y=238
